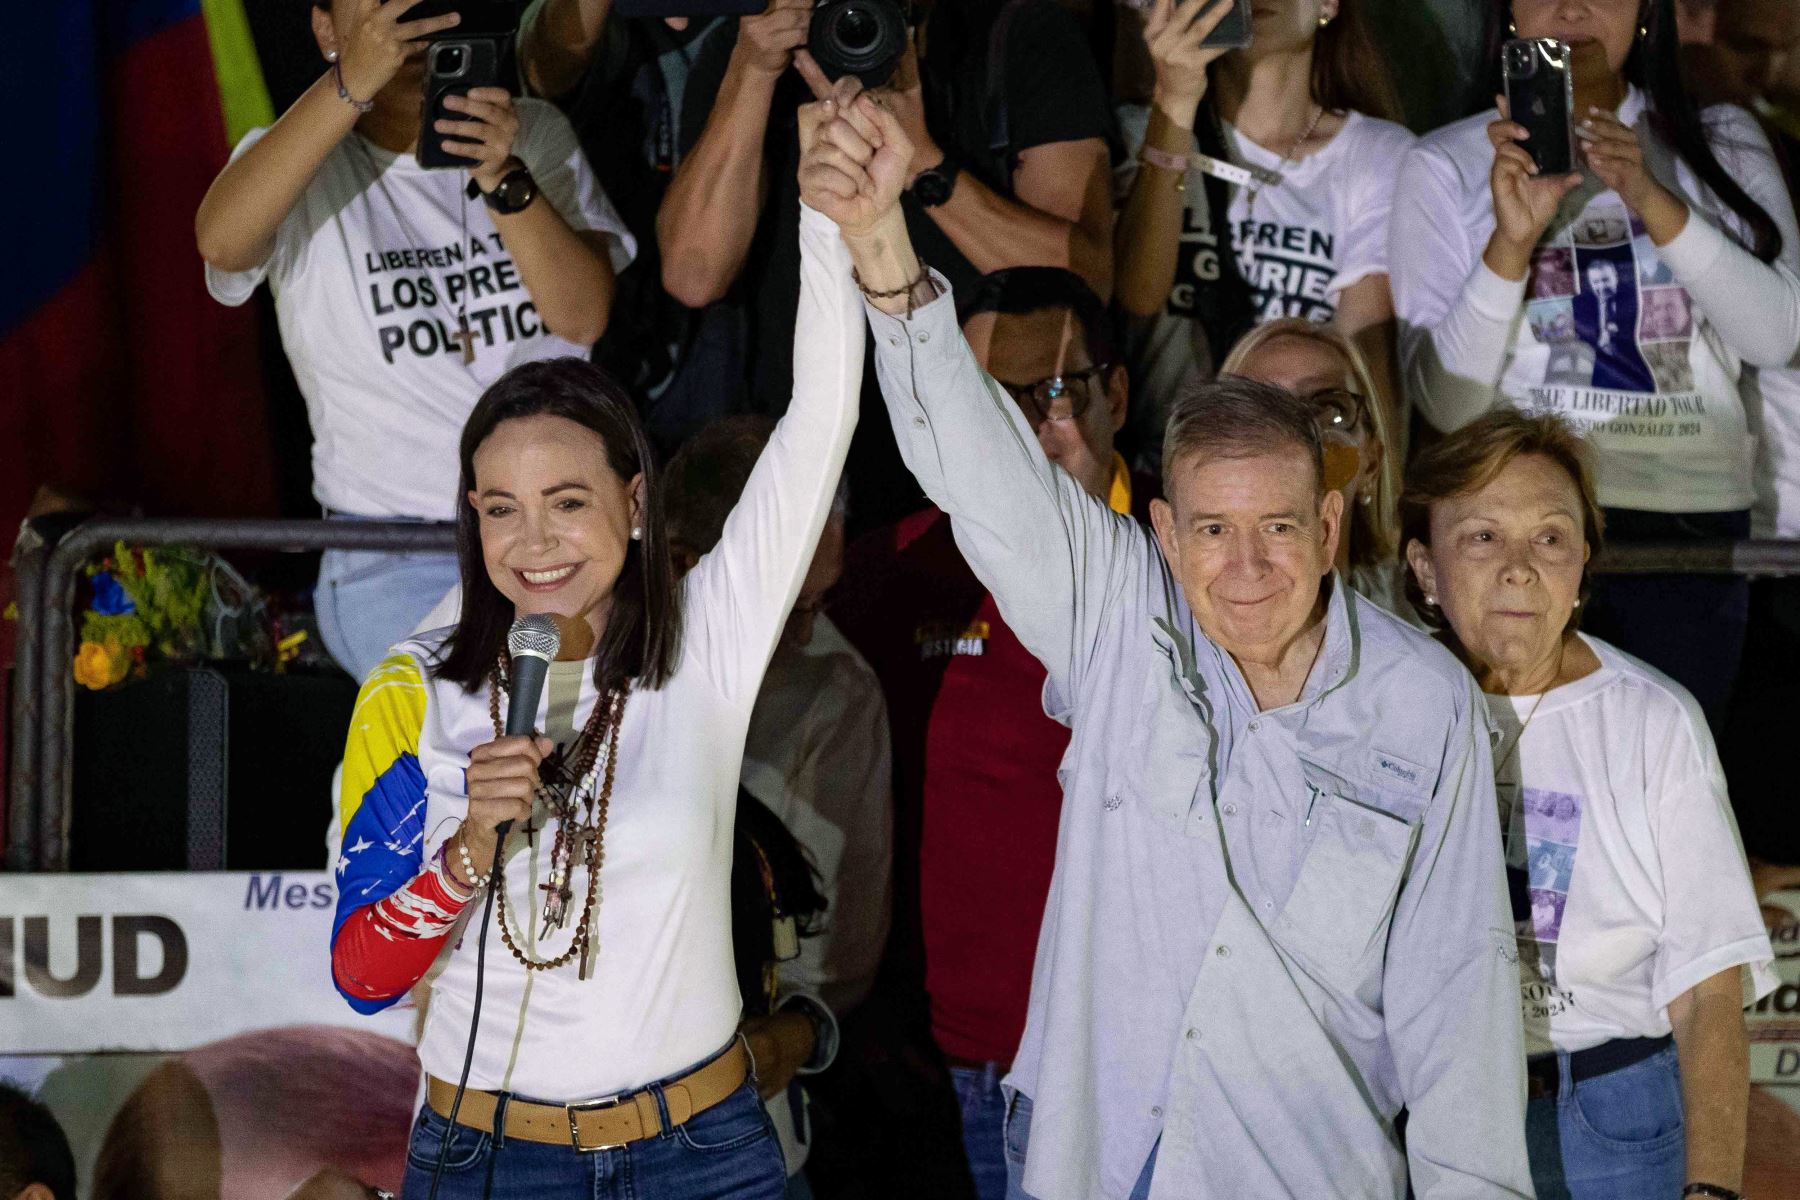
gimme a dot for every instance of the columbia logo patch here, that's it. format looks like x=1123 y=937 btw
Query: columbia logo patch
x=1398 y=768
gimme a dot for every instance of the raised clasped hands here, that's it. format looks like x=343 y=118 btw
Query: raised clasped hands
x=855 y=156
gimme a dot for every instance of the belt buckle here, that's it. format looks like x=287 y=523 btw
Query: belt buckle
x=605 y=1102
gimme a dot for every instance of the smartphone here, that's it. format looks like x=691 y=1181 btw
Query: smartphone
x=1233 y=33
x=1540 y=94
x=454 y=66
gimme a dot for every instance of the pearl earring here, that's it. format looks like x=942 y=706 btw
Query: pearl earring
x=637 y=533
x=1431 y=600
x=331 y=56
x=1324 y=20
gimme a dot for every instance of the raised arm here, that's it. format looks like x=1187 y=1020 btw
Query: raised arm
x=740 y=593
x=1457 y=307
x=1148 y=239
x=710 y=212
x=1451 y=988
x=236 y=224
x=1047 y=550
x=1754 y=306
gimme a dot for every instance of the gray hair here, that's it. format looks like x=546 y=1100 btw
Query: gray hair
x=1234 y=417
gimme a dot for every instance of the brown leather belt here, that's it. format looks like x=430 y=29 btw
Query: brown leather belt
x=602 y=1124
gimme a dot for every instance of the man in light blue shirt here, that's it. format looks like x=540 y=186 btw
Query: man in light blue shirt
x=1279 y=913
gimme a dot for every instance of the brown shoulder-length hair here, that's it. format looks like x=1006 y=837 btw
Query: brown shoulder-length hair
x=1349 y=71
x=1469 y=459
x=642 y=637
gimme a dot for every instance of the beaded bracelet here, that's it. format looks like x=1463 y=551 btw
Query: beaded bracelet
x=455 y=887
x=477 y=879
x=337 y=76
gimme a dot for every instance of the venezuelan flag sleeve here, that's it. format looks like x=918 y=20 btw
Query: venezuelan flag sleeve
x=382 y=802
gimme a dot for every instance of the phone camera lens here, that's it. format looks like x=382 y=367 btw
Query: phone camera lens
x=449 y=61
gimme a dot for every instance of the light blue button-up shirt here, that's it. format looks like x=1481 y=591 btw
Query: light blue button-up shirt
x=1268 y=932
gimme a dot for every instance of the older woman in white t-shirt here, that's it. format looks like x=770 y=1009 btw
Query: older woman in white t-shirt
x=1639 y=937
x=1628 y=296
x=1294 y=139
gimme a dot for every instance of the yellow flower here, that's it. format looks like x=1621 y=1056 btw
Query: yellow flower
x=91 y=665
x=100 y=665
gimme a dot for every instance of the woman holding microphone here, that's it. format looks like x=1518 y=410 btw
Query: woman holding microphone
x=605 y=1060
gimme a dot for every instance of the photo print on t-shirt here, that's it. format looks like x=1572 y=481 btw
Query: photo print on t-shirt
x=1543 y=832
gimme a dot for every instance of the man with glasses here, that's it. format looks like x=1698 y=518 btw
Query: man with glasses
x=976 y=792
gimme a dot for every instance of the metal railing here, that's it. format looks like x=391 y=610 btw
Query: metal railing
x=43 y=701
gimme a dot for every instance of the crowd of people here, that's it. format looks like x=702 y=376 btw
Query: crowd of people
x=1081 y=668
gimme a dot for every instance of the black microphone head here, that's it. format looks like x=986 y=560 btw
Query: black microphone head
x=536 y=635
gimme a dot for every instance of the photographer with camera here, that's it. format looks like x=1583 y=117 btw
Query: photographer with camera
x=402 y=292
x=1011 y=123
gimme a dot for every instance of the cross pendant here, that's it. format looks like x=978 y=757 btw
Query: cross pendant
x=465 y=338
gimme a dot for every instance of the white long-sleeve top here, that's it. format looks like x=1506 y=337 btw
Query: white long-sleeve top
x=1643 y=347
x=663 y=994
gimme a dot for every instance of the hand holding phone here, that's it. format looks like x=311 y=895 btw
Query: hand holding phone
x=1525 y=198
x=1185 y=37
x=374 y=39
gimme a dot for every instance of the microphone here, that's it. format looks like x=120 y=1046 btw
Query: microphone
x=532 y=644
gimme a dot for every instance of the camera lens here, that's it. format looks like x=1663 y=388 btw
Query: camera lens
x=449 y=61
x=857 y=30
x=864 y=38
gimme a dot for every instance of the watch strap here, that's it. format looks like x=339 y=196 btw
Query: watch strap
x=934 y=185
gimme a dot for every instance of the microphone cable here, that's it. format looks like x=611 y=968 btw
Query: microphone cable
x=487 y=912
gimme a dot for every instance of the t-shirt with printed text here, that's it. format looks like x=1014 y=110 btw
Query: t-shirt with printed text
x=1299 y=243
x=372 y=271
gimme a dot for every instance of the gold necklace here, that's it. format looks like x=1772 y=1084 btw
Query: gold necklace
x=1561 y=653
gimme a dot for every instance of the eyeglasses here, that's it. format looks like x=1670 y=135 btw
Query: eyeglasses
x=1337 y=410
x=1063 y=397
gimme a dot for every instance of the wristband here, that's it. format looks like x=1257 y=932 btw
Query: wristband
x=1712 y=1189
x=1163 y=159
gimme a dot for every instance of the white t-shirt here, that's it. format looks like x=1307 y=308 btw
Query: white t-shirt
x=1640 y=348
x=1627 y=875
x=371 y=271
x=1299 y=243
x=1772 y=396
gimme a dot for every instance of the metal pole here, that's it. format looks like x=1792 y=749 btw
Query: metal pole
x=57 y=642
x=22 y=792
x=1754 y=557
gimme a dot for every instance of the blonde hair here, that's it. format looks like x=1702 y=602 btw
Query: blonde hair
x=1375 y=526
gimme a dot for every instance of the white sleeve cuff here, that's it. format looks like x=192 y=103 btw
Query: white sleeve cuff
x=825 y=1026
x=1494 y=297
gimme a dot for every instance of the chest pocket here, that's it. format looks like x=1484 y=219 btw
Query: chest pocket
x=1171 y=741
x=1357 y=840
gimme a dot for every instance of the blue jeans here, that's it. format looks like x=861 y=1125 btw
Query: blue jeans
x=983 y=1107
x=728 y=1152
x=1618 y=1136
x=1018 y=1137
x=367 y=600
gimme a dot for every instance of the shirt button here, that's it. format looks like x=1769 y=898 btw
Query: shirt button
x=1223 y=951
x=924 y=336
x=1268 y=904
x=893 y=341
x=1255 y=725
x=1231 y=810
x=1157 y=1112
x=1193 y=1035
x=918 y=422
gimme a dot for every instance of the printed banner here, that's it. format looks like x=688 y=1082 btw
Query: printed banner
x=159 y=961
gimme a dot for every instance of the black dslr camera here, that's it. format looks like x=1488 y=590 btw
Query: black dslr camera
x=864 y=38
